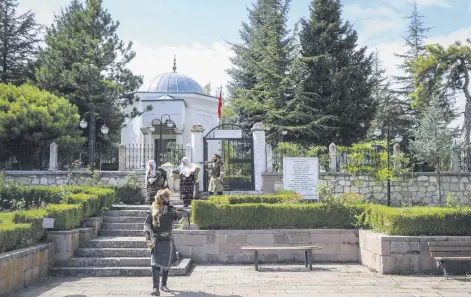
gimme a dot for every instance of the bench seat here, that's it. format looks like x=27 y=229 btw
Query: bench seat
x=306 y=248
x=448 y=251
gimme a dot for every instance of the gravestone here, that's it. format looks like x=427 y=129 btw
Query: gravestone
x=301 y=175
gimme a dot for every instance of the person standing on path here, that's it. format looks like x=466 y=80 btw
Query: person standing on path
x=216 y=174
x=188 y=176
x=156 y=179
x=158 y=229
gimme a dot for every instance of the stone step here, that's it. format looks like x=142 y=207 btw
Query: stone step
x=117 y=242
x=180 y=269
x=126 y=213
x=121 y=233
x=110 y=262
x=111 y=252
x=123 y=226
x=123 y=219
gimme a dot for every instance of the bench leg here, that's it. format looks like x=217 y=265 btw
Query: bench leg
x=310 y=260
x=256 y=260
x=306 y=261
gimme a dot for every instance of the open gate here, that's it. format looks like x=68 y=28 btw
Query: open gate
x=236 y=149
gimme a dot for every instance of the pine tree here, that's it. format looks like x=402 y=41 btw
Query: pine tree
x=85 y=61
x=415 y=42
x=433 y=138
x=258 y=84
x=19 y=38
x=339 y=74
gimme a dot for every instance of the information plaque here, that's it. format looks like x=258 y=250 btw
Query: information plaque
x=301 y=175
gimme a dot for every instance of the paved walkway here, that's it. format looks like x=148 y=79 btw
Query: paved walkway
x=270 y=281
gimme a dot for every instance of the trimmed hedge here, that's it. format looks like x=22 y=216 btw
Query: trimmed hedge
x=90 y=203
x=243 y=199
x=105 y=195
x=208 y=215
x=66 y=217
x=14 y=236
x=412 y=221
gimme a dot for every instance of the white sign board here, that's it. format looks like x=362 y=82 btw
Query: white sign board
x=228 y=134
x=301 y=175
x=48 y=223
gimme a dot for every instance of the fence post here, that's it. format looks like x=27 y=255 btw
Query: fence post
x=396 y=154
x=260 y=159
x=197 y=150
x=332 y=157
x=53 y=156
x=122 y=157
x=188 y=151
x=455 y=157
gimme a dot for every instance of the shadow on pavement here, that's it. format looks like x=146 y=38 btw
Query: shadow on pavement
x=198 y=294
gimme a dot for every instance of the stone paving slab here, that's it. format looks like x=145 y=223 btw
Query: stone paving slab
x=271 y=281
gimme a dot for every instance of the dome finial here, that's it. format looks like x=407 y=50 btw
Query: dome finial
x=174 y=63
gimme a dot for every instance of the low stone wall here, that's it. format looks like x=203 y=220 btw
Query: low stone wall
x=224 y=246
x=65 y=243
x=23 y=267
x=400 y=254
x=419 y=188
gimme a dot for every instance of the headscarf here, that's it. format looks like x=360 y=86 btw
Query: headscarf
x=156 y=213
x=186 y=168
x=219 y=158
x=150 y=172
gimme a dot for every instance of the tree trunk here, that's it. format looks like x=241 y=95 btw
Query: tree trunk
x=465 y=139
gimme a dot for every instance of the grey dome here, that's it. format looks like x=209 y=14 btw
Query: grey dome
x=173 y=82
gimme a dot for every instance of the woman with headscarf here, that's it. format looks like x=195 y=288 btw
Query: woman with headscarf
x=188 y=176
x=156 y=179
x=158 y=229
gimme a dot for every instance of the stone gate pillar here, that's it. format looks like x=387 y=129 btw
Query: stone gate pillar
x=53 y=156
x=260 y=158
x=197 y=150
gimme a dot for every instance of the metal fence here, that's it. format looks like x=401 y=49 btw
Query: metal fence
x=24 y=156
x=137 y=155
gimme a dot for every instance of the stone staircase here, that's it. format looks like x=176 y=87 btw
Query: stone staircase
x=119 y=250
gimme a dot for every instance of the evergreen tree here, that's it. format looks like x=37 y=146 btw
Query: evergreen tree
x=340 y=74
x=85 y=61
x=19 y=38
x=415 y=43
x=258 y=83
x=432 y=141
x=207 y=89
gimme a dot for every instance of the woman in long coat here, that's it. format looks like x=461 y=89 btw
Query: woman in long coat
x=156 y=179
x=188 y=177
x=158 y=229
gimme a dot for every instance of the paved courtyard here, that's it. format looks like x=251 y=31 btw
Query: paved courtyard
x=270 y=281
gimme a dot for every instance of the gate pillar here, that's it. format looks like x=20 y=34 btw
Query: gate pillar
x=197 y=151
x=260 y=158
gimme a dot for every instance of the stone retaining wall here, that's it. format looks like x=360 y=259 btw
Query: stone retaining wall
x=419 y=188
x=23 y=267
x=224 y=246
x=388 y=254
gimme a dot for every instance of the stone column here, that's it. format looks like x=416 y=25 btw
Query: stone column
x=53 y=156
x=122 y=157
x=455 y=158
x=332 y=157
x=260 y=158
x=197 y=150
x=188 y=151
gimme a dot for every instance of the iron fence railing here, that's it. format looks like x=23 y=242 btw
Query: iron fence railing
x=24 y=156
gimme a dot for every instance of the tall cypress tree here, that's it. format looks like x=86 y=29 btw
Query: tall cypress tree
x=258 y=85
x=339 y=74
x=19 y=39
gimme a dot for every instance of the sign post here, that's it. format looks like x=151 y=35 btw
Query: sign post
x=301 y=175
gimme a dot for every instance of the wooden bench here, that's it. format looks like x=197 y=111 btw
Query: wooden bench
x=449 y=251
x=307 y=252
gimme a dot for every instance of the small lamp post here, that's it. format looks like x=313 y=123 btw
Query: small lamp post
x=92 y=133
x=398 y=138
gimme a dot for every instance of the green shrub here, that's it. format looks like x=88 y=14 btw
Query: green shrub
x=90 y=203
x=34 y=217
x=66 y=217
x=208 y=215
x=17 y=197
x=129 y=194
x=106 y=195
x=416 y=221
x=242 y=199
x=13 y=236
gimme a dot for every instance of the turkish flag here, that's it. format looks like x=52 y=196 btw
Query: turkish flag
x=220 y=104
